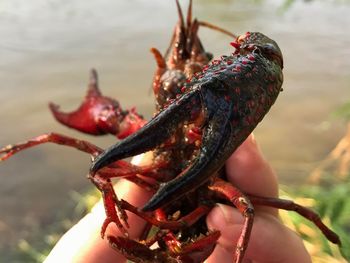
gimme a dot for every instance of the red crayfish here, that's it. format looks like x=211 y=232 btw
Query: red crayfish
x=205 y=110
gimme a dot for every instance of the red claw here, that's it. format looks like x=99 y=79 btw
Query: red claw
x=131 y=123
x=99 y=115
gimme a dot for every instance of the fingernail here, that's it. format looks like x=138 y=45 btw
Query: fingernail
x=251 y=142
x=252 y=139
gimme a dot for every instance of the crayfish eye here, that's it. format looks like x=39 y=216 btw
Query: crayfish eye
x=272 y=52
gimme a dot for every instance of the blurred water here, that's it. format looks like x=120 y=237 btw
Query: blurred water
x=47 y=48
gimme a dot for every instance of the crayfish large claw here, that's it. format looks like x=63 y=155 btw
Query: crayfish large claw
x=154 y=133
x=216 y=147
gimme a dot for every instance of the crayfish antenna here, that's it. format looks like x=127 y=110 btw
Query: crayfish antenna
x=189 y=14
x=176 y=51
x=181 y=16
x=217 y=28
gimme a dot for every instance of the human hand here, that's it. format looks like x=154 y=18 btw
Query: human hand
x=270 y=240
x=83 y=242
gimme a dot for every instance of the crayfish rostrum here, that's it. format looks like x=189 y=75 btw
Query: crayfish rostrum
x=205 y=110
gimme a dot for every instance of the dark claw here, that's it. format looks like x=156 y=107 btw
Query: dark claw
x=233 y=104
x=216 y=146
x=218 y=142
x=154 y=133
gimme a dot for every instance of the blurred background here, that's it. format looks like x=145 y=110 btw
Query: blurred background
x=48 y=46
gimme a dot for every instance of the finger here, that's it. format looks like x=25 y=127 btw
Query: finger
x=270 y=240
x=220 y=254
x=83 y=242
x=251 y=173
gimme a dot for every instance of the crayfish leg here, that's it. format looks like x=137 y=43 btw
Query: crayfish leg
x=114 y=212
x=132 y=249
x=139 y=252
x=194 y=251
x=200 y=249
x=118 y=169
x=162 y=223
x=115 y=208
x=243 y=204
x=52 y=137
x=301 y=210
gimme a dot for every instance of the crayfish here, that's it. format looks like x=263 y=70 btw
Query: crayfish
x=204 y=110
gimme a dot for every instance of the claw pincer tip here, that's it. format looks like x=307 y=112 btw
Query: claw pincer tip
x=100 y=161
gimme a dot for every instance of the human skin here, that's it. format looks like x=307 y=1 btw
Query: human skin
x=270 y=240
